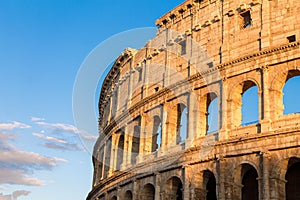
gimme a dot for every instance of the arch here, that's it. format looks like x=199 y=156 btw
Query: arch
x=128 y=195
x=204 y=185
x=107 y=156
x=209 y=113
x=148 y=192
x=120 y=151
x=182 y=122
x=292 y=178
x=177 y=122
x=277 y=85
x=113 y=198
x=156 y=135
x=249 y=182
x=236 y=102
x=173 y=189
x=135 y=148
x=289 y=99
x=250 y=106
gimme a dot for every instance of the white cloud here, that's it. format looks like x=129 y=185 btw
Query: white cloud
x=5 y=197
x=56 y=143
x=19 y=193
x=36 y=119
x=52 y=139
x=15 y=195
x=18 y=177
x=13 y=125
x=68 y=128
x=17 y=166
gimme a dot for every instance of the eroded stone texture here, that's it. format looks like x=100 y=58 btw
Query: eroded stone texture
x=204 y=50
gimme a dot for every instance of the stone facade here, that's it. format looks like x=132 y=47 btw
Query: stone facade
x=154 y=140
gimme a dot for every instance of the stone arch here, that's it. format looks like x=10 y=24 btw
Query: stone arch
x=128 y=195
x=292 y=178
x=113 y=198
x=135 y=139
x=276 y=88
x=120 y=150
x=156 y=133
x=204 y=185
x=235 y=100
x=107 y=159
x=282 y=162
x=245 y=181
x=205 y=102
x=173 y=189
x=174 y=124
x=148 y=192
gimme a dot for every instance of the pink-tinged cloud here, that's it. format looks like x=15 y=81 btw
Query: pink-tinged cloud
x=56 y=143
x=13 y=125
x=48 y=138
x=5 y=197
x=67 y=128
x=19 y=193
x=17 y=166
x=18 y=177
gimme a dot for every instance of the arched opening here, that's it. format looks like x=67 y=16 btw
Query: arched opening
x=128 y=195
x=113 y=198
x=156 y=135
x=99 y=162
x=250 y=105
x=249 y=182
x=173 y=189
x=107 y=156
x=212 y=116
x=120 y=150
x=210 y=181
x=148 y=192
x=244 y=104
x=136 y=140
x=293 y=180
x=182 y=121
x=291 y=98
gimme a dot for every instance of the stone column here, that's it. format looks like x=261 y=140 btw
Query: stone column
x=113 y=155
x=265 y=183
x=157 y=186
x=119 y=193
x=136 y=191
x=164 y=131
x=193 y=116
x=265 y=100
x=127 y=145
x=187 y=172
x=221 y=177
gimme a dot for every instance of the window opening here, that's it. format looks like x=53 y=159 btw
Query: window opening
x=246 y=19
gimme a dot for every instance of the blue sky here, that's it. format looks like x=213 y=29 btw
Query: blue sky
x=43 y=43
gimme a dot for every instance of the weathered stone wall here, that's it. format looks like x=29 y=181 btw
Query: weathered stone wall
x=204 y=50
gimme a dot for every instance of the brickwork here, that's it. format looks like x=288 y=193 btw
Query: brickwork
x=203 y=50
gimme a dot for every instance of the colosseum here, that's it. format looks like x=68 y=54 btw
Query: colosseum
x=158 y=136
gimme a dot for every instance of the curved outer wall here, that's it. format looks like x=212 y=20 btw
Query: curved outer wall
x=204 y=50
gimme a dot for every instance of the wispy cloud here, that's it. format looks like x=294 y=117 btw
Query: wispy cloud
x=15 y=195
x=19 y=193
x=56 y=143
x=17 y=166
x=13 y=125
x=36 y=119
x=59 y=127
x=5 y=197
x=52 y=139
